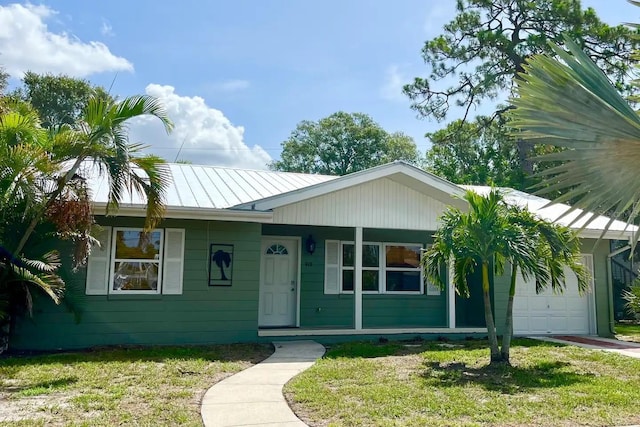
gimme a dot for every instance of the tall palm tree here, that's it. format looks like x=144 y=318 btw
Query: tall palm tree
x=41 y=188
x=493 y=232
x=548 y=249
x=100 y=138
x=567 y=101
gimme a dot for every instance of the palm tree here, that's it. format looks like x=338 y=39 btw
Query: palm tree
x=100 y=138
x=548 y=249
x=569 y=102
x=491 y=232
x=42 y=188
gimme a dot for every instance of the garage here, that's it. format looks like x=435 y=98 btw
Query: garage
x=548 y=313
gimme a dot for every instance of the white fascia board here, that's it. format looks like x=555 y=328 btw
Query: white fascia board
x=609 y=235
x=191 y=213
x=353 y=180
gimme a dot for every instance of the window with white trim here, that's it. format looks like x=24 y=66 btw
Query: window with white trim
x=136 y=262
x=391 y=268
x=129 y=261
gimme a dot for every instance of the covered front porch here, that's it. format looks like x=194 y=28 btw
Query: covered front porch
x=354 y=281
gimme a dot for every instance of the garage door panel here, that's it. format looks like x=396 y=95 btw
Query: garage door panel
x=549 y=312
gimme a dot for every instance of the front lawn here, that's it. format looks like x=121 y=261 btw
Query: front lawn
x=135 y=386
x=450 y=384
x=628 y=332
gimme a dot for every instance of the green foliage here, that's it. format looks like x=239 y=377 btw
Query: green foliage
x=341 y=144
x=476 y=153
x=44 y=198
x=632 y=299
x=493 y=232
x=58 y=99
x=570 y=103
x=488 y=42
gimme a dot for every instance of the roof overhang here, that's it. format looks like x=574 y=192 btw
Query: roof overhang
x=133 y=210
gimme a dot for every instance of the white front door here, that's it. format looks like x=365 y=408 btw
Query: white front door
x=278 y=282
x=549 y=313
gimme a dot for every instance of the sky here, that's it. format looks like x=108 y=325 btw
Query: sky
x=236 y=76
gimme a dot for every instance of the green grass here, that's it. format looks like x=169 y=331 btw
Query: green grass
x=366 y=384
x=127 y=386
x=628 y=332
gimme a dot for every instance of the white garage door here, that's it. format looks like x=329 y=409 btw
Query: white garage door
x=549 y=313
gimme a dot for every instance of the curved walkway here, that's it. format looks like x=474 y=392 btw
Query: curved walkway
x=254 y=397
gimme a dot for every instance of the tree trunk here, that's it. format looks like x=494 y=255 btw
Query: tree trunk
x=508 y=326
x=488 y=316
x=5 y=330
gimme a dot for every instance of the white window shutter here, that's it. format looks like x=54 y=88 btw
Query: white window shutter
x=98 y=265
x=331 y=267
x=172 y=269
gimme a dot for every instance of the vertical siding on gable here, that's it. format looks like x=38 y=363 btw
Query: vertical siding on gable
x=379 y=203
x=201 y=315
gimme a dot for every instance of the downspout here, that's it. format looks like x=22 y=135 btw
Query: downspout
x=612 y=322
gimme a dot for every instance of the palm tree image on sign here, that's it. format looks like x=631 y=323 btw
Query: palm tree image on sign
x=220 y=265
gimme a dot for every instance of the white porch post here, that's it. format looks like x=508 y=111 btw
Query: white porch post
x=357 y=279
x=451 y=296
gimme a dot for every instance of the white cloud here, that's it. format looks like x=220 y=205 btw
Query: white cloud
x=26 y=44
x=229 y=86
x=106 y=29
x=205 y=134
x=391 y=89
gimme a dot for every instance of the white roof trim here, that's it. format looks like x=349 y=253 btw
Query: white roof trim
x=388 y=170
x=191 y=213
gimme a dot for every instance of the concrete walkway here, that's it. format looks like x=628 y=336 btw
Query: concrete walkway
x=254 y=397
x=625 y=348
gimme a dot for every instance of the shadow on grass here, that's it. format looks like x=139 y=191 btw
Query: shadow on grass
x=372 y=349
x=253 y=353
x=39 y=387
x=502 y=378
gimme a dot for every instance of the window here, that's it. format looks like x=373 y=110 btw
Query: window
x=136 y=265
x=386 y=267
x=370 y=267
x=402 y=268
x=129 y=261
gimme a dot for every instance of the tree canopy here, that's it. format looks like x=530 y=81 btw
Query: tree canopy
x=342 y=143
x=474 y=152
x=488 y=42
x=58 y=99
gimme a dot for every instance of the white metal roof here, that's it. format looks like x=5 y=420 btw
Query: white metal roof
x=212 y=187
x=196 y=189
x=553 y=212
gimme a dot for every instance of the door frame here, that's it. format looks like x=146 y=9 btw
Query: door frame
x=298 y=255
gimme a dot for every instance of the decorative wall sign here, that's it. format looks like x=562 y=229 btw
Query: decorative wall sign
x=220 y=264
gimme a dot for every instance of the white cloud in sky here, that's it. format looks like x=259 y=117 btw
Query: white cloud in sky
x=26 y=44
x=205 y=134
x=106 y=29
x=395 y=79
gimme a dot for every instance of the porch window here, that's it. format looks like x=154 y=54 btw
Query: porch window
x=386 y=267
x=402 y=268
x=136 y=262
x=370 y=267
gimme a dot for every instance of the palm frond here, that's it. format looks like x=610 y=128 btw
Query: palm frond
x=569 y=102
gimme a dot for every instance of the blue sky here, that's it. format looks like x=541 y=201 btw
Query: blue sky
x=238 y=75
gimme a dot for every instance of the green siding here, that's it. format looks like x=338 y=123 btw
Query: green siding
x=317 y=310
x=202 y=314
